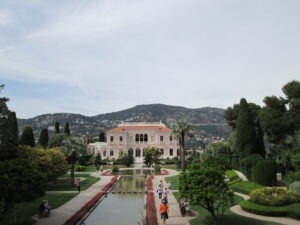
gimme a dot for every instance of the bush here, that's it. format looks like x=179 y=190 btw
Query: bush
x=274 y=197
x=289 y=210
x=248 y=163
x=157 y=167
x=292 y=177
x=264 y=172
x=115 y=169
x=295 y=187
x=80 y=168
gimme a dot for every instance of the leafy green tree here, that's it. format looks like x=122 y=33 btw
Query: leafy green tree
x=152 y=155
x=56 y=140
x=67 y=129
x=52 y=162
x=102 y=136
x=21 y=180
x=8 y=131
x=206 y=187
x=98 y=160
x=27 y=137
x=182 y=129
x=57 y=131
x=246 y=139
x=44 y=138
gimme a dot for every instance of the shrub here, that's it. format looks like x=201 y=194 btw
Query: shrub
x=157 y=167
x=264 y=172
x=274 y=197
x=248 y=163
x=295 y=187
x=115 y=169
x=292 y=177
x=80 y=168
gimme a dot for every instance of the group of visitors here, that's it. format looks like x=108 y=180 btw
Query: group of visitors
x=44 y=209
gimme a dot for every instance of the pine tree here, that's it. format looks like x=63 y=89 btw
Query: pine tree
x=67 y=129
x=27 y=137
x=246 y=142
x=44 y=138
x=57 y=131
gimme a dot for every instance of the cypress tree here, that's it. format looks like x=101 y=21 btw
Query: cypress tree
x=260 y=141
x=67 y=129
x=44 y=138
x=246 y=140
x=27 y=137
x=57 y=131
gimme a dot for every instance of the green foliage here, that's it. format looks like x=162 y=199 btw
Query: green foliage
x=246 y=139
x=51 y=161
x=152 y=155
x=245 y=187
x=248 y=163
x=67 y=130
x=274 y=197
x=56 y=140
x=27 y=137
x=157 y=167
x=264 y=172
x=44 y=138
x=80 y=168
x=182 y=129
x=20 y=181
x=295 y=186
x=292 y=177
x=57 y=131
x=124 y=159
x=98 y=160
x=206 y=188
x=219 y=163
x=289 y=210
x=115 y=169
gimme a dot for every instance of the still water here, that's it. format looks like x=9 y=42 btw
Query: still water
x=124 y=207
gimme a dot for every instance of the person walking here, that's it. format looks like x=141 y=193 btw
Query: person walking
x=78 y=185
x=164 y=210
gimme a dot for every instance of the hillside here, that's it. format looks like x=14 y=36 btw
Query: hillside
x=208 y=123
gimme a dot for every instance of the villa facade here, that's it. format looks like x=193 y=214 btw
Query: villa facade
x=133 y=138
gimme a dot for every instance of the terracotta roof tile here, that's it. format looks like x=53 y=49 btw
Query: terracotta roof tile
x=126 y=128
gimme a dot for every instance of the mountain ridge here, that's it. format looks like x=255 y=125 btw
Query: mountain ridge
x=208 y=122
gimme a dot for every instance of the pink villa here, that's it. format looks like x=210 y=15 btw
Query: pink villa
x=133 y=138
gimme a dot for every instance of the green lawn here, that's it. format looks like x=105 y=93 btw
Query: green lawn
x=205 y=218
x=21 y=213
x=174 y=181
x=171 y=166
x=245 y=187
x=63 y=183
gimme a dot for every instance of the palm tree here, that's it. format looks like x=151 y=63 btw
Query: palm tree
x=181 y=129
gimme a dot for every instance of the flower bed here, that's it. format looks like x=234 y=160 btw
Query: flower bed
x=106 y=172
x=164 y=172
x=149 y=184
x=108 y=186
x=84 y=210
x=151 y=218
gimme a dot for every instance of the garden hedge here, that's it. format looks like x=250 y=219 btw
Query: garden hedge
x=264 y=173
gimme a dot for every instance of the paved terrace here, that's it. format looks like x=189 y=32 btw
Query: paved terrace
x=61 y=214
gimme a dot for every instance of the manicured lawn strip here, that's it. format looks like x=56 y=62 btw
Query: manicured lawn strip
x=174 y=181
x=173 y=167
x=231 y=174
x=64 y=183
x=21 y=213
x=245 y=187
x=205 y=218
x=292 y=211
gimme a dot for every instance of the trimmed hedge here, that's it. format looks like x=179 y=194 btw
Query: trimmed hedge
x=289 y=210
x=264 y=173
x=245 y=187
x=247 y=164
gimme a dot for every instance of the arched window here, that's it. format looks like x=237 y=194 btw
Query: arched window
x=137 y=138
x=145 y=137
x=141 y=137
x=130 y=151
x=138 y=152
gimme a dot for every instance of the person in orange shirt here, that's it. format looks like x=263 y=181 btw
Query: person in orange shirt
x=164 y=210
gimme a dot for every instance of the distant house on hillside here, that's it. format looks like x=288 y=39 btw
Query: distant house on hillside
x=133 y=138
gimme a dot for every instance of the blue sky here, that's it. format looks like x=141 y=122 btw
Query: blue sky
x=92 y=57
